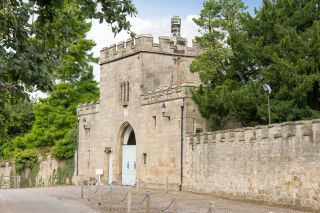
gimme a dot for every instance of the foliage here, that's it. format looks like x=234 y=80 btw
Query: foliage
x=32 y=178
x=26 y=159
x=65 y=172
x=278 y=46
x=19 y=120
x=65 y=147
x=55 y=117
x=43 y=42
x=35 y=35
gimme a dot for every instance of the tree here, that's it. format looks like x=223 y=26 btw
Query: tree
x=278 y=46
x=42 y=41
x=19 y=120
x=56 y=115
x=33 y=42
x=56 y=119
x=217 y=20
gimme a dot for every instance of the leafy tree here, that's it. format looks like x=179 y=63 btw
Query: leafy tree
x=56 y=120
x=34 y=36
x=278 y=46
x=55 y=116
x=19 y=120
x=42 y=41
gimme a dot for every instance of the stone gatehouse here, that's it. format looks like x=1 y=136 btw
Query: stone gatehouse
x=136 y=130
x=146 y=127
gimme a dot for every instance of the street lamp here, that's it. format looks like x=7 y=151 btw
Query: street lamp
x=163 y=110
x=267 y=90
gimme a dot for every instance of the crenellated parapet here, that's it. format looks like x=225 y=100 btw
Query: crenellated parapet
x=144 y=43
x=88 y=108
x=299 y=130
x=167 y=93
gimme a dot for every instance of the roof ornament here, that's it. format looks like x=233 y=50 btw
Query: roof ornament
x=175 y=30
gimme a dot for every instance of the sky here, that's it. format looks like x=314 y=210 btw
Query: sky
x=154 y=18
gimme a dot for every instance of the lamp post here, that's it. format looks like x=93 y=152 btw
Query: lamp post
x=163 y=110
x=267 y=90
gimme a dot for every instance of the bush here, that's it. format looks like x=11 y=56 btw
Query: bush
x=65 y=172
x=26 y=159
x=64 y=149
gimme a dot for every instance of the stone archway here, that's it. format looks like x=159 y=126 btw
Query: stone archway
x=125 y=162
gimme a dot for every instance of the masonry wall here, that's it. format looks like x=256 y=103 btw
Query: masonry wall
x=46 y=176
x=156 y=74
x=278 y=163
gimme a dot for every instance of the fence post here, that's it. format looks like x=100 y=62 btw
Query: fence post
x=82 y=185
x=212 y=207
x=148 y=202
x=167 y=185
x=110 y=198
x=129 y=200
x=138 y=187
x=175 y=203
x=99 y=194
x=89 y=191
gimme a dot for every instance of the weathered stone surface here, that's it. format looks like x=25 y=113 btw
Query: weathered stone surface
x=156 y=74
x=277 y=163
x=282 y=169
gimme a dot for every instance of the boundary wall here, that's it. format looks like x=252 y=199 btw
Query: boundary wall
x=278 y=163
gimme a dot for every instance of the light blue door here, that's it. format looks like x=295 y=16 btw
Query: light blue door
x=128 y=165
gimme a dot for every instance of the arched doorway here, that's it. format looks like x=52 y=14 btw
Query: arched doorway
x=128 y=173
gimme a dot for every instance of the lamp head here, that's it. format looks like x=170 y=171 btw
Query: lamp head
x=163 y=108
x=266 y=89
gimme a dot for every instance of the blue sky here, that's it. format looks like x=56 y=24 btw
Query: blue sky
x=183 y=8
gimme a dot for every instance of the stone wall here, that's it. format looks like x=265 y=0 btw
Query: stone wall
x=46 y=176
x=279 y=163
x=47 y=171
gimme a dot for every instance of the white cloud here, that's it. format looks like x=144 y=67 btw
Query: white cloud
x=102 y=35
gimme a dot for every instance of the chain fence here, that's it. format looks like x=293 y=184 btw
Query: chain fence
x=117 y=201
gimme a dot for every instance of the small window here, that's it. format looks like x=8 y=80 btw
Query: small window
x=154 y=120
x=124 y=93
x=144 y=159
x=199 y=130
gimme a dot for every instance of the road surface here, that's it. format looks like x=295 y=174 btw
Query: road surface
x=28 y=201
x=67 y=199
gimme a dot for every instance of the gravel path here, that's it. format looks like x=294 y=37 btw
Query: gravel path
x=68 y=197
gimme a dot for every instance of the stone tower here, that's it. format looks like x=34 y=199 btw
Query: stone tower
x=145 y=109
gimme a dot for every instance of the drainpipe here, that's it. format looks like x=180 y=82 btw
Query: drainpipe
x=181 y=145
x=77 y=172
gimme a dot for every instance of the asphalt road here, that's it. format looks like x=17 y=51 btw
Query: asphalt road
x=67 y=199
x=24 y=201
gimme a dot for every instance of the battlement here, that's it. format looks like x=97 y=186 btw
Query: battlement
x=144 y=43
x=88 y=108
x=283 y=131
x=167 y=93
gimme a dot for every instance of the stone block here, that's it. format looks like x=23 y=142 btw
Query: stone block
x=231 y=136
x=288 y=129
x=307 y=129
